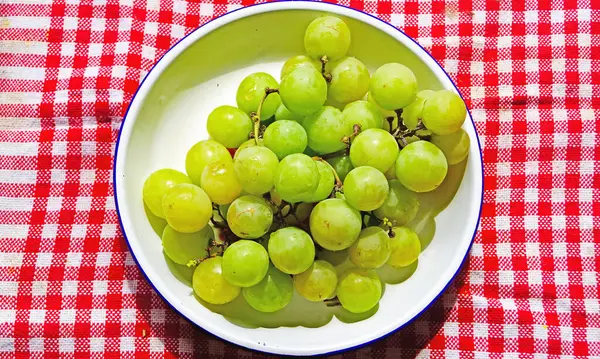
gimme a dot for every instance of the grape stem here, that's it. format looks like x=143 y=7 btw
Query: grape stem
x=324 y=61
x=348 y=139
x=256 y=115
x=386 y=222
x=401 y=135
x=333 y=302
x=344 y=152
x=338 y=182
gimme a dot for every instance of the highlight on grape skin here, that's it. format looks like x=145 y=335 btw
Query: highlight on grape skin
x=333 y=159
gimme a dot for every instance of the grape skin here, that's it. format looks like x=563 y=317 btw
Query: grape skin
x=220 y=182
x=252 y=91
x=249 y=217
x=229 y=126
x=393 y=86
x=405 y=247
x=325 y=130
x=400 y=205
x=412 y=113
x=454 y=146
x=208 y=282
x=359 y=290
x=157 y=184
x=363 y=113
x=374 y=147
x=291 y=250
x=184 y=247
x=303 y=91
x=365 y=188
x=298 y=61
x=245 y=263
x=318 y=282
x=342 y=165
x=285 y=137
x=444 y=112
x=200 y=155
x=255 y=168
x=274 y=292
x=327 y=36
x=296 y=177
x=326 y=183
x=371 y=250
x=421 y=166
x=187 y=208
x=349 y=80
x=334 y=224
x=283 y=114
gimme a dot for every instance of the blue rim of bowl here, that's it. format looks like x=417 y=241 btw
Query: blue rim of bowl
x=460 y=267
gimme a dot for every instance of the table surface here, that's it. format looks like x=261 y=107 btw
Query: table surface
x=530 y=72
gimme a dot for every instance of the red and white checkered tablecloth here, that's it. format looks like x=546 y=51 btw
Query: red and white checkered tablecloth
x=530 y=71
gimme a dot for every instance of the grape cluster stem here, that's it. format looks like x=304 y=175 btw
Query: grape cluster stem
x=338 y=182
x=256 y=115
x=324 y=60
x=333 y=302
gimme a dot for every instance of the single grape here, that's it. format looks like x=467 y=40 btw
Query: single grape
x=327 y=36
x=412 y=113
x=245 y=263
x=365 y=188
x=342 y=165
x=405 y=247
x=296 y=177
x=444 y=112
x=229 y=126
x=318 y=282
x=454 y=146
x=283 y=114
x=349 y=80
x=285 y=137
x=371 y=250
x=421 y=166
x=157 y=184
x=210 y=285
x=393 y=86
x=252 y=91
x=298 y=61
x=291 y=250
x=220 y=182
x=374 y=147
x=187 y=208
x=325 y=130
x=272 y=293
x=334 y=224
x=400 y=205
x=359 y=290
x=385 y=113
x=249 y=143
x=326 y=183
x=255 y=168
x=249 y=217
x=184 y=247
x=200 y=155
x=303 y=91
x=363 y=113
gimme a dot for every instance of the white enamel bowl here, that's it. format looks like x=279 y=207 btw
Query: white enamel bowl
x=168 y=115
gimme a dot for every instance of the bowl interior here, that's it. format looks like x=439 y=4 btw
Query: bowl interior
x=168 y=116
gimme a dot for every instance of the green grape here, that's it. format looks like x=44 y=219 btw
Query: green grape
x=363 y=113
x=454 y=146
x=296 y=177
x=210 y=285
x=326 y=183
x=405 y=247
x=365 y=188
x=201 y=154
x=252 y=91
x=349 y=80
x=412 y=113
x=385 y=113
x=187 y=208
x=249 y=143
x=249 y=217
x=157 y=184
x=325 y=130
x=391 y=173
x=229 y=126
x=318 y=282
x=334 y=224
x=371 y=250
x=291 y=250
x=285 y=137
x=393 y=86
x=400 y=205
x=342 y=165
x=309 y=152
x=444 y=112
x=220 y=182
x=255 y=168
x=245 y=263
x=421 y=166
x=298 y=61
x=374 y=147
x=283 y=114
x=184 y=247
x=327 y=36
x=359 y=290
x=272 y=293
x=303 y=91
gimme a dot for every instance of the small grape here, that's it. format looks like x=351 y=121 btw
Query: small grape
x=187 y=208
x=421 y=166
x=249 y=143
x=326 y=183
x=342 y=165
x=296 y=177
x=334 y=224
x=252 y=91
x=184 y=247
x=285 y=137
x=249 y=217
x=283 y=114
x=157 y=184
x=405 y=247
x=201 y=154
x=220 y=182
x=400 y=205
x=229 y=126
x=318 y=282
x=209 y=284
x=245 y=263
x=365 y=188
x=325 y=130
x=291 y=250
x=363 y=113
x=374 y=147
x=444 y=112
x=349 y=80
x=393 y=86
x=298 y=61
x=454 y=146
x=359 y=290
x=255 y=168
x=272 y=293
x=371 y=250
x=303 y=91
x=412 y=113
x=327 y=36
